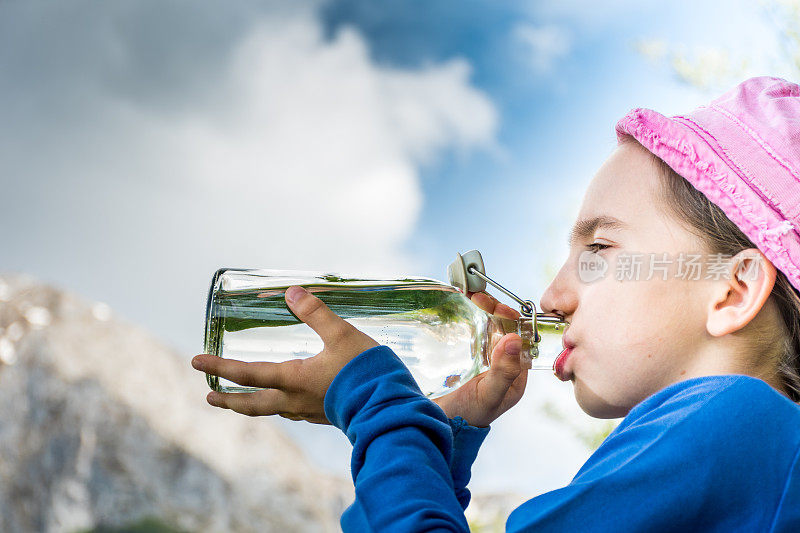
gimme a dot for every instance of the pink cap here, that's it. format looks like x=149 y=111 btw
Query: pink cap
x=743 y=152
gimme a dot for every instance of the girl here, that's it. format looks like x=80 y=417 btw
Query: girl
x=702 y=364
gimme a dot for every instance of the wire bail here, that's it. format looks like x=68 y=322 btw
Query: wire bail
x=526 y=307
x=468 y=274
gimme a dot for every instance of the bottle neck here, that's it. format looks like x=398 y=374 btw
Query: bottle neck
x=527 y=331
x=522 y=326
x=540 y=334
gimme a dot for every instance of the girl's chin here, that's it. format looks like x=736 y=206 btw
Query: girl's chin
x=594 y=404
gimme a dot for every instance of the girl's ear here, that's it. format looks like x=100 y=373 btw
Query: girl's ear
x=739 y=295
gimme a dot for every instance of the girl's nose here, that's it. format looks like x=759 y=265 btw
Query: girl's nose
x=561 y=296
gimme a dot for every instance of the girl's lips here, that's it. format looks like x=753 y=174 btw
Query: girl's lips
x=558 y=365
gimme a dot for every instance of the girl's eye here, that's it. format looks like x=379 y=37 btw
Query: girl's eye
x=597 y=246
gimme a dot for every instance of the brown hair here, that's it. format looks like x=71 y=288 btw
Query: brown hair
x=720 y=235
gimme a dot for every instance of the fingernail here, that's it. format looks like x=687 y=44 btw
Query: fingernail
x=513 y=347
x=294 y=293
x=197 y=363
x=213 y=399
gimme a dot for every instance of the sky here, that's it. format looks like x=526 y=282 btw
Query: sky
x=144 y=145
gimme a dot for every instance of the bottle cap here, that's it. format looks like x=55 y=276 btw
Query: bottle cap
x=467 y=273
x=459 y=272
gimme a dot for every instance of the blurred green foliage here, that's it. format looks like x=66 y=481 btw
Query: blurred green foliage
x=713 y=69
x=145 y=525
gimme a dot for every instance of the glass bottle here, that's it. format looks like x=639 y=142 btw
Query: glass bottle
x=439 y=334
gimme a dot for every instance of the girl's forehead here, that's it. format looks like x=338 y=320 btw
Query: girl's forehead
x=625 y=197
x=625 y=187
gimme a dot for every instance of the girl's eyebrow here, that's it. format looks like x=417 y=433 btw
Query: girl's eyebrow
x=586 y=227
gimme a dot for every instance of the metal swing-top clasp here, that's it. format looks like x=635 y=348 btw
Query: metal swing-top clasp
x=468 y=274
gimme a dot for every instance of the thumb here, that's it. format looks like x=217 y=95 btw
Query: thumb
x=505 y=364
x=313 y=311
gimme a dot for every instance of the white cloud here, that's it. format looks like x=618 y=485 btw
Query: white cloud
x=429 y=109
x=543 y=45
x=138 y=158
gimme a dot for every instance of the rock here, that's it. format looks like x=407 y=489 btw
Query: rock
x=102 y=426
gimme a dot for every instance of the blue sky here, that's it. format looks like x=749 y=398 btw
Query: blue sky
x=144 y=145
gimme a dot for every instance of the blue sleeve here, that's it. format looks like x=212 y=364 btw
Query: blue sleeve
x=403 y=449
x=467 y=441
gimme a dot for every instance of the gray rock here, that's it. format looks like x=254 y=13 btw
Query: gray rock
x=101 y=425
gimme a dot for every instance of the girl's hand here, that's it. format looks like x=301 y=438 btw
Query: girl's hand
x=294 y=389
x=490 y=394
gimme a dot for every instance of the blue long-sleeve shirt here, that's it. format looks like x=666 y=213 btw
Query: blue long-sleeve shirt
x=715 y=453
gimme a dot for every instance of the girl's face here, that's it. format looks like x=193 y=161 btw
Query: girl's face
x=632 y=335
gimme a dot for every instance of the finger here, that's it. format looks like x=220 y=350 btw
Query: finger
x=313 y=311
x=490 y=304
x=256 y=374
x=504 y=370
x=259 y=403
x=484 y=301
x=312 y=418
